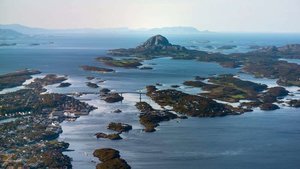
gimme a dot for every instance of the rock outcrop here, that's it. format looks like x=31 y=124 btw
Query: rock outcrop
x=268 y=106
x=110 y=159
x=119 y=127
x=151 y=118
x=157 y=44
x=114 y=136
x=110 y=97
x=187 y=104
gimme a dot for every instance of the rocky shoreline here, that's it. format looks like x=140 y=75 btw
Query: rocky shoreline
x=17 y=78
x=31 y=140
x=151 y=118
x=110 y=159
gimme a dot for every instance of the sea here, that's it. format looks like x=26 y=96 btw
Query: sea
x=258 y=139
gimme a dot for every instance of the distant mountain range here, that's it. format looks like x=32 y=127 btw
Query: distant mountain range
x=10 y=34
x=164 y=30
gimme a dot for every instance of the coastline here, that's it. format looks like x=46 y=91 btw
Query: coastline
x=89 y=122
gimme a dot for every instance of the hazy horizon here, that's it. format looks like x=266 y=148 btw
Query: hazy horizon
x=272 y=16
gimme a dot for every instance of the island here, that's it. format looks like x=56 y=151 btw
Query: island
x=110 y=97
x=92 y=85
x=30 y=139
x=114 y=136
x=66 y=84
x=230 y=89
x=17 y=78
x=119 y=127
x=8 y=44
x=151 y=118
x=110 y=159
x=263 y=62
x=226 y=47
x=125 y=63
x=188 y=104
x=96 y=69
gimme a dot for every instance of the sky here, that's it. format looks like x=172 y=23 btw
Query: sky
x=212 y=15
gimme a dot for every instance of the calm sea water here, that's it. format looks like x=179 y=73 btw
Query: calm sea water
x=252 y=140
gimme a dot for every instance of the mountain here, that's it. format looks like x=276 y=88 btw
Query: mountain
x=174 y=30
x=157 y=45
x=156 y=41
x=23 y=29
x=10 y=34
x=164 y=30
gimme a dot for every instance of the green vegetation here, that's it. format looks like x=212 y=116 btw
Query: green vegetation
x=125 y=63
x=16 y=78
x=96 y=69
x=188 y=104
x=288 y=74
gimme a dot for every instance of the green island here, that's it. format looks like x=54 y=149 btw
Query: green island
x=126 y=63
x=96 y=69
x=231 y=89
x=17 y=78
x=228 y=88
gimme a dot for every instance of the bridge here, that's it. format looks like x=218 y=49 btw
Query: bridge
x=140 y=93
x=121 y=93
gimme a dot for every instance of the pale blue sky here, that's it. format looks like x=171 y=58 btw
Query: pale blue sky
x=213 y=15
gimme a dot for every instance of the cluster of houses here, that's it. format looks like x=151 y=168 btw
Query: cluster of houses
x=69 y=114
x=17 y=114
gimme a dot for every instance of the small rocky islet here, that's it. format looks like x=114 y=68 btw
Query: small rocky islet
x=114 y=136
x=66 y=84
x=110 y=159
x=119 y=127
x=92 y=85
x=110 y=97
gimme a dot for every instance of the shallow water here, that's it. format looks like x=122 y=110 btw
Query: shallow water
x=252 y=140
